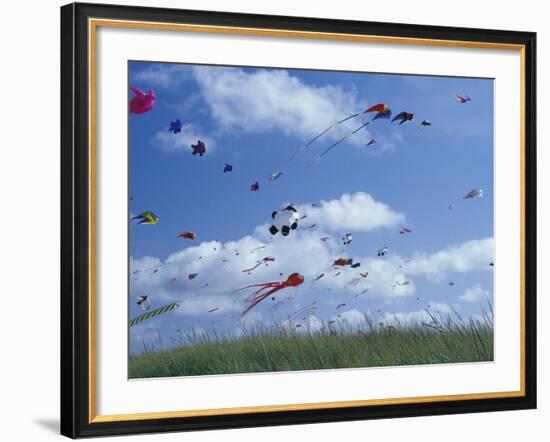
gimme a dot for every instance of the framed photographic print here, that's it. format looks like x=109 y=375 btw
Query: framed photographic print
x=278 y=220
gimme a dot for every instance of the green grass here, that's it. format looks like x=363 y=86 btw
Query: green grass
x=267 y=348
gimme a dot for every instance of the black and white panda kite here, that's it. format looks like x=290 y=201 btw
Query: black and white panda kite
x=285 y=220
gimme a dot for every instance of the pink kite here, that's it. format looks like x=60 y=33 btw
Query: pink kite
x=141 y=102
x=268 y=288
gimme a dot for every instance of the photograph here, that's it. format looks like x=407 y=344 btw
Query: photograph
x=297 y=219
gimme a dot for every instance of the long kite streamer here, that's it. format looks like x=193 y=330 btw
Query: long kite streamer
x=338 y=142
x=321 y=134
x=382 y=111
x=153 y=313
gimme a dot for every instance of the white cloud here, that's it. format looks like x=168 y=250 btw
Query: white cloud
x=172 y=142
x=163 y=75
x=413 y=318
x=464 y=257
x=220 y=266
x=474 y=294
x=353 y=318
x=358 y=212
x=266 y=100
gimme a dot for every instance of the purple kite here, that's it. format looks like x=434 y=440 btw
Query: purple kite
x=255 y=187
x=462 y=100
x=403 y=117
x=199 y=148
x=175 y=126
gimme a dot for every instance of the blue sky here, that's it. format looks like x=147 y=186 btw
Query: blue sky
x=254 y=119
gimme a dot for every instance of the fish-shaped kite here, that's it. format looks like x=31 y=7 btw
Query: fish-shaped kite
x=403 y=117
x=275 y=176
x=475 y=193
x=142 y=102
x=187 y=235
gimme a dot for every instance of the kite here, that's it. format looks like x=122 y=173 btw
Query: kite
x=146 y=218
x=451 y=283
x=268 y=288
x=400 y=283
x=364 y=274
x=346 y=239
x=319 y=277
x=462 y=100
x=258 y=248
x=325 y=238
x=172 y=280
x=212 y=310
x=275 y=176
x=340 y=306
x=371 y=142
x=260 y=262
x=405 y=230
x=313 y=226
x=362 y=293
x=187 y=235
x=451 y=206
x=284 y=220
x=175 y=126
x=425 y=123
x=383 y=251
x=255 y=187
x=199 y=148
x=141 y=102
x=354 y=266
x=382 y=111
x=492 y=264
x=403 y=117
x=143 y=301
x=337 y=274
x=153 y=313
x=342 y=262
x=476 y=193
x=192 y=275
x=227 y=168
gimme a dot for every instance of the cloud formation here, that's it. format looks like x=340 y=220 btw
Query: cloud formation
x=221 y=267
x=359 y=212
x=475 y=294
x=266 y=100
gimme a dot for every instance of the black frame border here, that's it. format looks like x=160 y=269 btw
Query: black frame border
x=75 y=220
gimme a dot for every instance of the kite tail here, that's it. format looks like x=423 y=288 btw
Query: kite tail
x=255 y=285
x=252 y=268
x=259 y=298
x=338 y=142
x=321 y=134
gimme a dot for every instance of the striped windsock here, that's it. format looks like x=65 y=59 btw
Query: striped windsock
x=153 y=313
